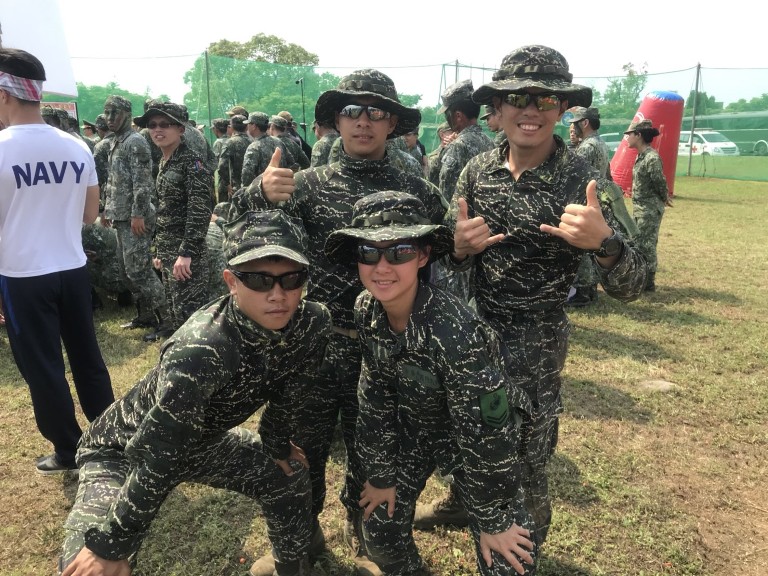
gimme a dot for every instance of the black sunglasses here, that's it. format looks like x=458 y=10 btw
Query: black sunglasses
x=397 y=254
x=355 y=110
x=262 y=282
x=544 y=102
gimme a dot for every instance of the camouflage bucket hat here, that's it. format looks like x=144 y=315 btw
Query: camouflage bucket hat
x=287 y=115
x=645 y=125
x=237 y=110
x=279 y=121
x=456 y=93
x=489 y=111
x=370 y=83
x=581 y=113
x=174 y=112
x=534 y=66
x=386 y=216
x=257 y=119
x=264 y=233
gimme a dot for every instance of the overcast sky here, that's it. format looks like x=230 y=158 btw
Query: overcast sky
x=151 y=44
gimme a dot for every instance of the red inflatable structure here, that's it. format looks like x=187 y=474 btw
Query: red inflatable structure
x=665 y=110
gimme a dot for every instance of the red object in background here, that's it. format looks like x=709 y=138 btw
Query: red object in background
x=665 y=110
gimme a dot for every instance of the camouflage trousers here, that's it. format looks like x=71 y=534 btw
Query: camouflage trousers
x=134 y=257
x=538 y=344
x=234 y=460
x=390 y=542
x=648 y=223
x=333 y=398
x=184 y=296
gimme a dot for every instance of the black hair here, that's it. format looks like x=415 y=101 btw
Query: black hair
x=648 y=135
x=21 y=63
x=594 y=123
x=470 y=109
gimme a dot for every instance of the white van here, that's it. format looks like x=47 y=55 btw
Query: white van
x=706 y=143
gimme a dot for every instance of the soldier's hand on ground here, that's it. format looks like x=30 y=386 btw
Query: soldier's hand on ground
x=277 y=183
x=182 y=268
x=296 y=454
x=582 y=226
x=472 y=235
x=513 y=544
x=86 y=563
x=137 y=226
x=372 y=497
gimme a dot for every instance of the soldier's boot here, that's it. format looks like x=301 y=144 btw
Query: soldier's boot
x=353 y=537
x=265 y=566
x=295 y=568
x=144 y=318
x=650 y=284
x=446 y=510
x=164 y=328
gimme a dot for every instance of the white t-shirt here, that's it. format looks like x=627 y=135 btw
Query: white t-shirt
x=44 y=174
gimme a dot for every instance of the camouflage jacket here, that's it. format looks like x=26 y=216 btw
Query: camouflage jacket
x=649 y=185
x=439 y=391
x=321 y=151
x=531 y=271
x=595 y=152
x=257 y=157
x=294 y=147
x=218 y=144
x=101 y=158
x=214 y=373
x=231 y=160
x=469 y=143
x=129 y=184
x=323 y=200
x=200 y=146
x=183 y=204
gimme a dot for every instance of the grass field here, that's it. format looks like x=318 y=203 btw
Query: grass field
x=663 y=456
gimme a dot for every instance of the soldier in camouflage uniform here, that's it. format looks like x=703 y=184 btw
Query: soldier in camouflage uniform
x=585 y=123
x=259 y=153
x=433 y=393
x=100 y=246
x=493 y=122
x=183 y=187
x=232 y=157
x=278 y=127
x=219 y=127
x=650 y=194
x=523 y=214
x=412 y=147
x=129 y=209
x=446 y=135
x=326 y=135
x=178 y=423
x=101 y=157
x=365 y=102
x=214 y=240
x=398 y=157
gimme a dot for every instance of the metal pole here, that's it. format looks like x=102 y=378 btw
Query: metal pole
x=208 y=92
x=303 y=109
x=693 y=117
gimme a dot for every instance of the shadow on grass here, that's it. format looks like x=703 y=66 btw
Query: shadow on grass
x=586 y=400
x=566 y=482
x=550 y=566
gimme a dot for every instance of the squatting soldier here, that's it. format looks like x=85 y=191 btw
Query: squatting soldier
x=176 y=424
x=585 y=123
x=104 y=271
x=323 y=198
x=530 y=208
x=262 y=146
x=321 y=150
x=232 y=157
x=183 y=189
x=129 y=209
x=650 y=194
x=433 y=393
x=278 y=127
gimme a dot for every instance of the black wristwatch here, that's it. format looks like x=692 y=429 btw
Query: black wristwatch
x=611 y=246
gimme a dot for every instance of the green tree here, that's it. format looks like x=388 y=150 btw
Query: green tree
x=758 y=104
x=622 y=95
x=705 y=104
x=263 y=48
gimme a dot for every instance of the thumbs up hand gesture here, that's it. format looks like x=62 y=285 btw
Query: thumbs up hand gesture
x=277 y=183
x=472 y=235
x=582 y=226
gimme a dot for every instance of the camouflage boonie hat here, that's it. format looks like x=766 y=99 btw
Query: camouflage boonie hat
x=581 y=113
x=287 y=115
x=279 y=121
x=119 y=102
x=367 y=83
x=174 y=112
x=383 y=217
x=258 y=119
x=534 y=66
x=48 y=111
x=455 y=93
x=237 y=110
x=489 y=111
x=264 y=233
x=238 y=122
x=221 y=124
x=63 y=117
x=101 y=122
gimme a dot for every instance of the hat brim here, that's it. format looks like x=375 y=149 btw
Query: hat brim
x=341 y=244
x=268 y=250
x=141 y=121
x=576 y=94
x=331 y=101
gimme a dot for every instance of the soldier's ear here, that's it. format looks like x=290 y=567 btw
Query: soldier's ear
x=230 y=281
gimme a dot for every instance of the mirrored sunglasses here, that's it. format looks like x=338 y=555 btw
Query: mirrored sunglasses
x=397 y=254
x=263 y=282
x=544 y=102
x=162 y=125
x=355 y=110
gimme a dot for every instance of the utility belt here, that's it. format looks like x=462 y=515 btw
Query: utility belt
x=348 y=332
